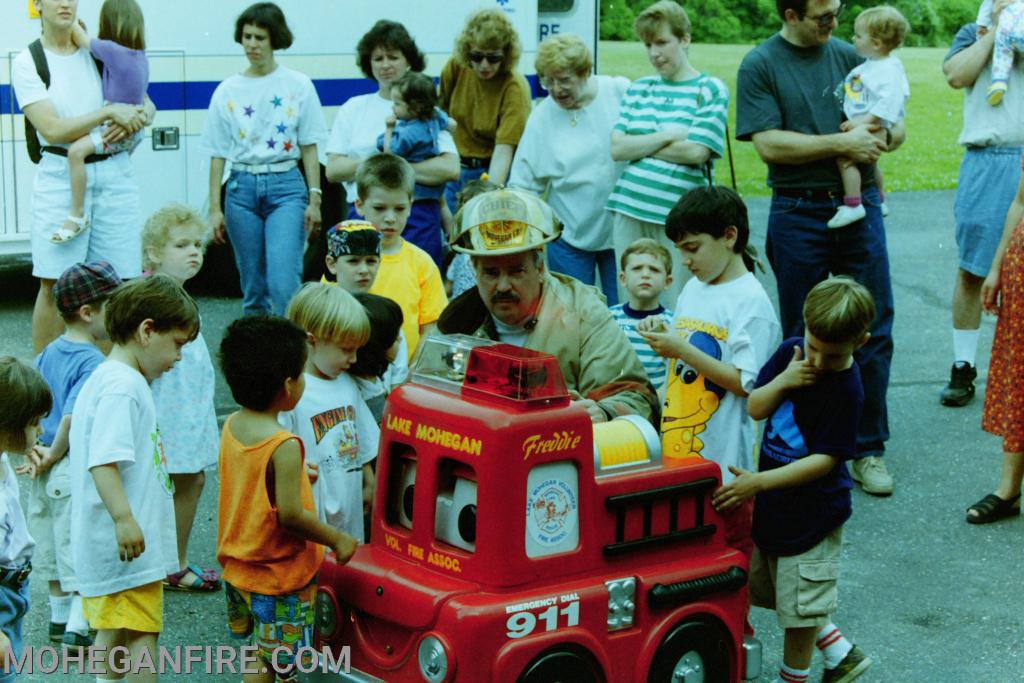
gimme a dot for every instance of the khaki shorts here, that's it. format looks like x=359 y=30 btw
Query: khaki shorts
x=49 y=523
x=137 y=609
x=802 y=589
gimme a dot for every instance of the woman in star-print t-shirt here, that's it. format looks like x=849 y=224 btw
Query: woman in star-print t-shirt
x=267 y=122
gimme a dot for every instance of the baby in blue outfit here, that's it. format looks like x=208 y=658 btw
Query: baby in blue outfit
x=412 y=131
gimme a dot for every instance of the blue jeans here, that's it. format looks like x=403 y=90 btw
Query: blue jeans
x=13 y=608
x=452 y=188
x=264 y=214
x=568 y=260
x=423 y=228
x=803 y=252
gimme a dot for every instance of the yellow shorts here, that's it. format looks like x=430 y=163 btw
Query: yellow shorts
x=136 y=609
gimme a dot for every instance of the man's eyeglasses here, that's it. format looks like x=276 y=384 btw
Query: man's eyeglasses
x=825 y=20
x=489 y=57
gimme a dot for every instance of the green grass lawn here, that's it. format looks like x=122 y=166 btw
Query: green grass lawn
x=929 y=160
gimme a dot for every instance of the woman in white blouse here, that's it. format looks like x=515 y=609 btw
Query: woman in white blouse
x=384 y=54
x=566 y=151
x=266 y=121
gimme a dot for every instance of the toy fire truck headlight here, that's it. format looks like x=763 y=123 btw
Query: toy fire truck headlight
x=621 y=602
x=326 y=616
x=433 y=660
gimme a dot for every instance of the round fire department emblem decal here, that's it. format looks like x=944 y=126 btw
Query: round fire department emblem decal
x=551 y=512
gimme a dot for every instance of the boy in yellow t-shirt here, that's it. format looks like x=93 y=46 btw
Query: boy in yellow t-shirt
x=407 y=274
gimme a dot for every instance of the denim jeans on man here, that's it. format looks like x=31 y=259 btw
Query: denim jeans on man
x=803 y=252
x=581 y=264
x=265 y=214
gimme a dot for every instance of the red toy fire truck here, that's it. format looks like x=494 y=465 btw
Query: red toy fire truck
x=513 y=540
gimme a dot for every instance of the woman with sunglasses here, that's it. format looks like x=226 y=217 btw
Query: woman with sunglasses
x=385 y=53
x=481 y=90
x=565 y=152
x=671 y=126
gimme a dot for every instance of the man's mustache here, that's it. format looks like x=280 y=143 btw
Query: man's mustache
x=503 y=297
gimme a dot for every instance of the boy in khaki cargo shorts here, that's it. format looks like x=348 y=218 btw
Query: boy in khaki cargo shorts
x=810 y=392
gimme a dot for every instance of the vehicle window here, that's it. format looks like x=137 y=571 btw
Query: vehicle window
x=551 y=6
x=455 y=519
x=552 y=509
x=402 y=485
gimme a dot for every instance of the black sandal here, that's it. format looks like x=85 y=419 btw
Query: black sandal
x=992 y=508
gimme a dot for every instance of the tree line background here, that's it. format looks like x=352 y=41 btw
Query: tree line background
x=933 y=23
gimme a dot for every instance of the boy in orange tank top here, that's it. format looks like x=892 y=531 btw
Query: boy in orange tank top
x=268 y=534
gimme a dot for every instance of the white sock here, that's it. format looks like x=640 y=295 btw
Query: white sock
x=76 y=620
x=965 y=345
x=834 y=647
x=60 y=607
x=789 y=675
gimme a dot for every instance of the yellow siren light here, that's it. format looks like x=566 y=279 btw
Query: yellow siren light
x=627 y=441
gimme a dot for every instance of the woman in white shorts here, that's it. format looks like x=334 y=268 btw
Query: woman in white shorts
x=69 y=109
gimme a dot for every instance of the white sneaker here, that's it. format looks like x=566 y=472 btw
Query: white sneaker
x=846 y=215
x=885 y=209
x=872 y=475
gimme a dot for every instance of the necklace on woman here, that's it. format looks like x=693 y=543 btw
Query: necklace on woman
x=575 y=118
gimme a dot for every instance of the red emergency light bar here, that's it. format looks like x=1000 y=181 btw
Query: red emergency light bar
x=511 y=373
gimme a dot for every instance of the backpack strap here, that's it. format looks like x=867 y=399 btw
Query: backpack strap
x=35 y=48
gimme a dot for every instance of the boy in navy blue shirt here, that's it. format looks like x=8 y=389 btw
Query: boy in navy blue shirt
x=810 y=392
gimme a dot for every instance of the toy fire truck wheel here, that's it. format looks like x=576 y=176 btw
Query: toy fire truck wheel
x=566 y=663
x=693 y=652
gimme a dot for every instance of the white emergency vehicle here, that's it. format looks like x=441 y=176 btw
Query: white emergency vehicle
x=191 y=49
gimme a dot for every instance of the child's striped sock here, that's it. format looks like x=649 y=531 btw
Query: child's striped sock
x=834 y=647
x=788 y=675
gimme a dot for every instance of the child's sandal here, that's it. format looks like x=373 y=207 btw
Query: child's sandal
x=205 y=581
x=66 y=234
x=992 y=508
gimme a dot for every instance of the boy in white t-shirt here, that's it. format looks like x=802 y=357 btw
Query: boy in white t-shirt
x=122 y=495
x=725 y=329
x=875 y=94
x=338 y=431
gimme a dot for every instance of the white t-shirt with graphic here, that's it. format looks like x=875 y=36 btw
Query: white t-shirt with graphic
x=264 y=119
x=878 y=87
x=115 y=422
x=340 y=435
x=735 y=323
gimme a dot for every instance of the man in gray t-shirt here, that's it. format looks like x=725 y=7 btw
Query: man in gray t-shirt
x=789 y=103
x=989 y=173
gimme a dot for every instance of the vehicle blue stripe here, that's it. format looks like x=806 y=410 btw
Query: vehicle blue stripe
x=193 y=95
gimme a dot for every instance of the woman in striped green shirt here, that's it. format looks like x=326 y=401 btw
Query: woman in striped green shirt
x=670 y=128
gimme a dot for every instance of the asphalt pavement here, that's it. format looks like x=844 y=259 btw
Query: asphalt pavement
x=922 y=592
